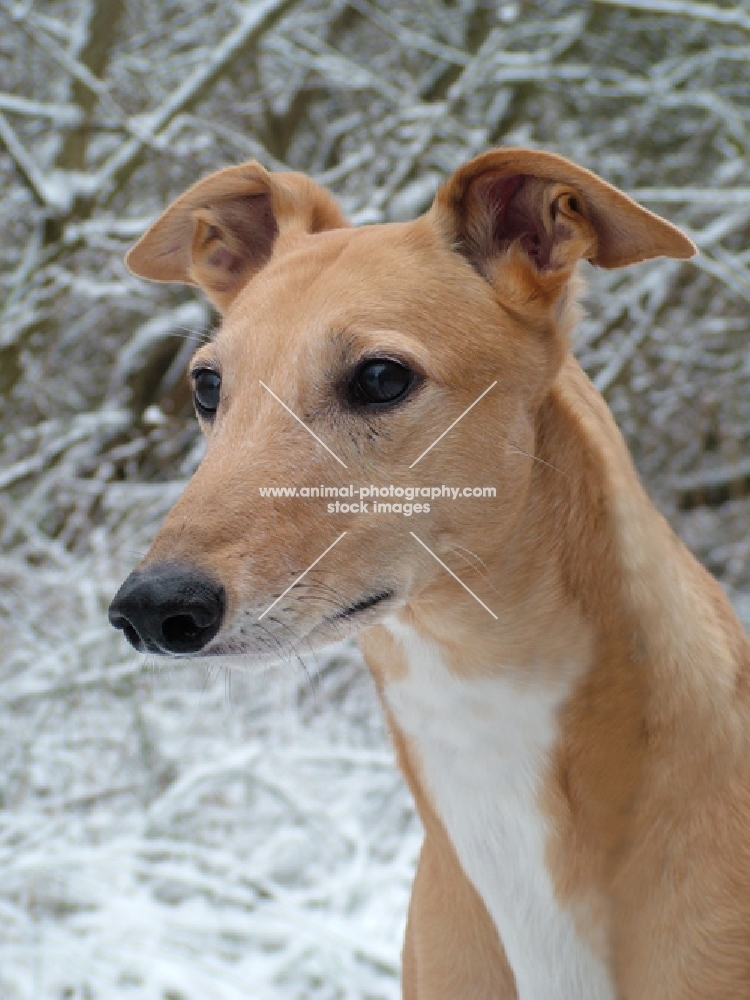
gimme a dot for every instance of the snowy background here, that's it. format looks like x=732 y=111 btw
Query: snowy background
x=179 y=835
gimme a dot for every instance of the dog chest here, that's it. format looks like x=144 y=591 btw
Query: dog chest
x=482 y=748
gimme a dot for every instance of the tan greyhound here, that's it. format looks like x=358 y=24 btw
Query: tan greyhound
x=567 y=689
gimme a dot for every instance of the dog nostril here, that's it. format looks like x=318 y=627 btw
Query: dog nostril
x=168 y=608
x=180 y=628
x=131 y=634
x=129 y=630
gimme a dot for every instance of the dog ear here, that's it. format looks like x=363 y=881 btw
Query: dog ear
x=542 y=214
x=222 y=230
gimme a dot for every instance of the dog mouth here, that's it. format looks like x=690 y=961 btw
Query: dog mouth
x=364 y=605
x=232 y=646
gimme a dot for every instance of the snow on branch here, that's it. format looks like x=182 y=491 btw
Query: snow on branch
x=731 y=17
x=26 y=166
x=62 y=114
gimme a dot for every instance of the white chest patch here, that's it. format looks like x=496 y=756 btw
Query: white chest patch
x=483 y=746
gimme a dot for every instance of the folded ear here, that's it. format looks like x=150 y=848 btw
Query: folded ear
x=222 y=230
x=543 y=213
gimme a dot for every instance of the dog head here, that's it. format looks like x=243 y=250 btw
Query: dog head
x=342 y=355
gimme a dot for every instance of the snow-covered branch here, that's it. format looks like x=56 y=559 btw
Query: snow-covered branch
x=27 y=167
x=725 y=16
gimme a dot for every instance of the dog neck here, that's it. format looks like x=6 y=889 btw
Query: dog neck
x=592 y=580
x=603 y=658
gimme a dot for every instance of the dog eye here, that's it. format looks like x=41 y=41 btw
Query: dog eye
x=380 y=381
x=206 y=391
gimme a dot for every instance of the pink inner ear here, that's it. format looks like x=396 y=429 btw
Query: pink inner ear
x=498 y=192
x=225 y=260
x=242 y=235
x=514 y=205
x=251 y=222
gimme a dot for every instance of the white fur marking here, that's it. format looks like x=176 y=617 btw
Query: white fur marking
x=483 y=745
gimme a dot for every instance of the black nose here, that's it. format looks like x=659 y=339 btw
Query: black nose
x=168 y=608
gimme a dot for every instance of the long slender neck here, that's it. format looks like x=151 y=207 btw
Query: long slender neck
x=593 y=579
x=630 y=573
x=599 y=604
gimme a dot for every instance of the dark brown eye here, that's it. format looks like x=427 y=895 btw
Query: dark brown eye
x=206 y=391
x=380 y=381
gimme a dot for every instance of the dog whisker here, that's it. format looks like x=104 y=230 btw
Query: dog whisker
x=298 y=655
